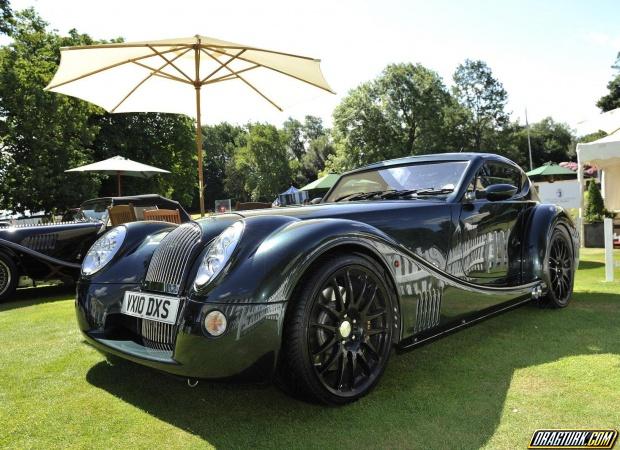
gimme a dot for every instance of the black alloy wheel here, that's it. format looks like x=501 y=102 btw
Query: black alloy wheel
x=338 y=335
x=8 y=277
x=560 y=269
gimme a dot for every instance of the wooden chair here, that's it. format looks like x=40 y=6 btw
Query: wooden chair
x=163 y=215
x=121 y=214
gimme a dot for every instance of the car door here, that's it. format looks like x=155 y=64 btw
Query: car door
x=490 y=231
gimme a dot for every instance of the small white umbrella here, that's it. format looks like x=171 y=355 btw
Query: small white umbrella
x=117 y=165
x=180 y=75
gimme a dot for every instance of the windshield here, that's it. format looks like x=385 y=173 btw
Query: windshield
x=94 y=212
x=390 y=182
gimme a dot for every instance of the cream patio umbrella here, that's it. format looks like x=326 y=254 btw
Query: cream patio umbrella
x=181 y=75
x=117 y=165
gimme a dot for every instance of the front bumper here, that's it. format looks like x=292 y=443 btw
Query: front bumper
x=248 y=350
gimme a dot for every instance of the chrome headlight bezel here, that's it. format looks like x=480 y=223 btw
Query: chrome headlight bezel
x=218 y=254
x=103 y=250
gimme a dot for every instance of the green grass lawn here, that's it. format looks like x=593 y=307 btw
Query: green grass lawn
x=489 y=386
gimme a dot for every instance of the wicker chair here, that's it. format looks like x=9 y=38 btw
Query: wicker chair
x=121 y=214
x=163 y=215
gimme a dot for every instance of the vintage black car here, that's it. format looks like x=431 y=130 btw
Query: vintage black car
x=49 y=252
x=396 y=254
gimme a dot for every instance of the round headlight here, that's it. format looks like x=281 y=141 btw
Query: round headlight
x=103 y=250
x=218 y=254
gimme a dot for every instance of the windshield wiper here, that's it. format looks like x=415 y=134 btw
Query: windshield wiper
x=363 y=195
x=425 y=191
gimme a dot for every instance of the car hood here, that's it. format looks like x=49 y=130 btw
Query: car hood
x=384 y=214
x=23 y=234
x=358 y=210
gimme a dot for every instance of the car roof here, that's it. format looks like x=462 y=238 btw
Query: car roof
x=463 y=156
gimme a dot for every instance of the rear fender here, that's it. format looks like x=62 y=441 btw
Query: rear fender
x=541 y=224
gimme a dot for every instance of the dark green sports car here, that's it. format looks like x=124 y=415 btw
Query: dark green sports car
x=396 y=254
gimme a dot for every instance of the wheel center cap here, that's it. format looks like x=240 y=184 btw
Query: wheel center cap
x=345 y=329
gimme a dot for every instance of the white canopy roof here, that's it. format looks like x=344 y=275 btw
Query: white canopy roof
x=603 y=153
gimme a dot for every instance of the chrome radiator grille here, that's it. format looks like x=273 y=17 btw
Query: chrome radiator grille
x=158 y=335
x=169 y=260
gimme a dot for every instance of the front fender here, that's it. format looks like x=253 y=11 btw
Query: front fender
x=541 y=224
x=274 y=253
x=129 y=265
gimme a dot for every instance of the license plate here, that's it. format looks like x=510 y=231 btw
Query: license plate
x=149 y=306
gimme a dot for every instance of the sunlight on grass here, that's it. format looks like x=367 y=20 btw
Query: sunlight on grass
x=488 y=386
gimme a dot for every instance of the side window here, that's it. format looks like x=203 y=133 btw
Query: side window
x=498 y=173
x=494 y=173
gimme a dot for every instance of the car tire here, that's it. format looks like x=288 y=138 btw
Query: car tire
x=337 y=336
x=559 y=267
x=8 y=277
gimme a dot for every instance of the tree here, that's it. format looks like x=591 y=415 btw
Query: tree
x=400 y=113
x=220 y=142
x=41 y=133
x=308 y=145
x=261 y=166
x=6 y=17
x=595 y=207
x=161 y=140
x=612 y=99
x=484 y=98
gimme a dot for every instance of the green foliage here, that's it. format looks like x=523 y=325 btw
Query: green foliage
x=400 y=113
x=160 y=140
x=220 y=142
x=6 y=17
x=612 y=99
x=261 y=167
x=41 y=133
x=595 y=207
x=484 y=98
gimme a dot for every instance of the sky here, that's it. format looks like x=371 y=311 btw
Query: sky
x=553 y=57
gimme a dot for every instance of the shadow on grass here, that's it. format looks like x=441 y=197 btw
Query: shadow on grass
x=590 y=265
x=37 y=296
x=448 y=394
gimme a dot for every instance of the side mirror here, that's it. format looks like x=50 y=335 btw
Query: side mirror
x=316 y=200
x=496 y=192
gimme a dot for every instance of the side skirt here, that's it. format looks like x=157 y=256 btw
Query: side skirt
x=421 y=339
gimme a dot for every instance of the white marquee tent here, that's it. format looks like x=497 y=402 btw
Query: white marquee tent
x=605 y=155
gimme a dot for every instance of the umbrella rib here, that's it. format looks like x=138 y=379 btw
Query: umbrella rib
x=224 y=65
x=171 y=63
x=236 y=74
x=230 y=76
x=111 y=66
x=161 y=74
x=276 y=70
x=135 y=88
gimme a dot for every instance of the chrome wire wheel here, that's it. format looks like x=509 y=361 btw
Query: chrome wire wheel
x=349 y=331
x=5 y=277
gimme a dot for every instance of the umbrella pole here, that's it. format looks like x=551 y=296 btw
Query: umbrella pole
x=199 y=155
x=118 y=183
x=197 y=85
